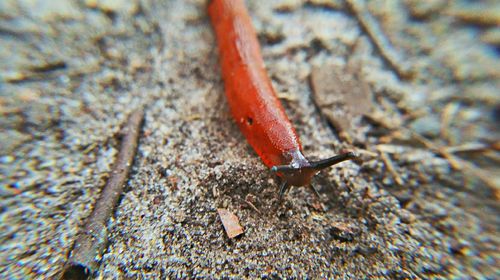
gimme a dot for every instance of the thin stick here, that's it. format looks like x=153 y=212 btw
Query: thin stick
x=252 y=206
x=390 y=167
x=460 y=164
x=373 y=30
x=468 y=148
x=90 y=243
x=449 y=112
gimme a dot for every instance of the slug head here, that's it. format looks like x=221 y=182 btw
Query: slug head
x=300 y=171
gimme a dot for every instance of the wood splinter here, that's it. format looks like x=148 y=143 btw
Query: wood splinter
x=230 y=222
x=83 y=260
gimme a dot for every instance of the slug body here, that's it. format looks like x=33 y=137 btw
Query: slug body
x=251 y=97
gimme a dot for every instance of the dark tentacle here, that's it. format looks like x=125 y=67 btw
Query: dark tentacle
x=283 y=188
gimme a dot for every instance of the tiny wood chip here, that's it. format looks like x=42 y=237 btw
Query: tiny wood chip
x=342 y=97
x=343 y=231
x=230 y=222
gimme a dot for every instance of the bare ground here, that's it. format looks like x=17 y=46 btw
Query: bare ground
x=422 y=204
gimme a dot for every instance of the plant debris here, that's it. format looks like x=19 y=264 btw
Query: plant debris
x=230 y=222
x=342 y=97
x=83 y=260
x=373 y=30
x=343 y=232
x=58 y=143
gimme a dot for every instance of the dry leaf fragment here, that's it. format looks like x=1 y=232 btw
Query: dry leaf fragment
x=342 y=96
x=230 y=222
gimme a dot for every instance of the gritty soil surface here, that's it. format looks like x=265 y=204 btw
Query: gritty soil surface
x=422 y=202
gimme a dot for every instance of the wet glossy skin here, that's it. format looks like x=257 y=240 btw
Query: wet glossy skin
x=254 y=104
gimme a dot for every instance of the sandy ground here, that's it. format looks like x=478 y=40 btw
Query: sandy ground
x=423 y=203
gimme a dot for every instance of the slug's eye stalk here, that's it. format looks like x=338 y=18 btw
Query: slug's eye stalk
x=315 y=165
x=299 y=173
x=322 y=164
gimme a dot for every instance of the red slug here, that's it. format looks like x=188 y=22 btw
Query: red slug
x=254 y=104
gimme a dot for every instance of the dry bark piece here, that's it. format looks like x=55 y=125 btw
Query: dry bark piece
x=230 y=222
x=342 y=97
x=92 y=240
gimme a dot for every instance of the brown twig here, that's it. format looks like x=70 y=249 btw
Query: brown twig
x=449 y=112
x=468 y=148
x=252 y=206
x=460 y=164
x=90 y=243
x=390 y=167
x=480 y=16
x=385 y=48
